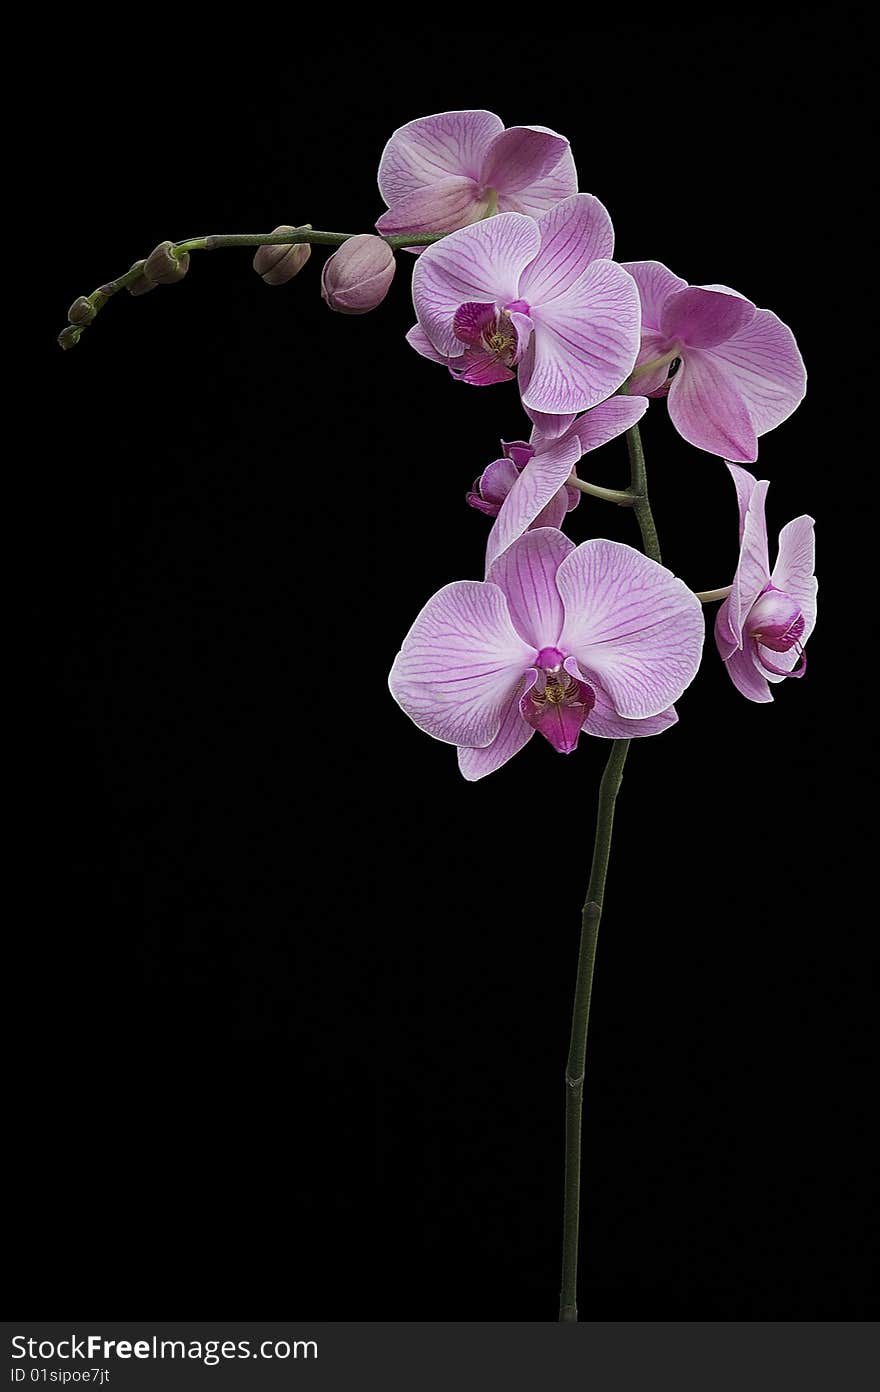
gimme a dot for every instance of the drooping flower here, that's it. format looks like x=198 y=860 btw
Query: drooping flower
x=539 y=295
x=762 y=627
x=442 y=172
x=527 y=488
x=739 y=370
x=557 y=639
x=357 y=277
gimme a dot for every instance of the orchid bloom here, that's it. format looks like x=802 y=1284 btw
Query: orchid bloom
x=527 y=488
x=443 y=172
x=762 y=627
x=740 y=373
x=559 y=638
x=539 y=295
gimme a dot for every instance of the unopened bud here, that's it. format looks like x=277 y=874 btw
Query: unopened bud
x=356 y=278
x=163 y=266
x=82 y=311
x=140 y=285
x=69 y=337
x=279 y=264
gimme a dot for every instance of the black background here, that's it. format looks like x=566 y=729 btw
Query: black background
x=290 y=999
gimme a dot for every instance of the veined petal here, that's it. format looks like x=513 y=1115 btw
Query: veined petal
x=604 y=721
x=441 y=207
x=753 y=567
x=654 y=382
x=520 y=156
x=432 y=148
x=541 y=478
x=726 y=641
x=608 y=420
x=526 y=572
x=743 y=672
x=480 y=262
x=459 y=664
x=763 y=363
x=707 y=410
x=585 y=342
x=514 y=733
x=545 y=193
x=745 y=485
x=656 y=283
x=418 y=339
x=702 y=318
x=795 y=564
x=573 y=234
x=548 y=427
x=631 y=623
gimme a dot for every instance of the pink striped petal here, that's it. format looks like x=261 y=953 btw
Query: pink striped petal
x=604 y=721
x=745 y=485
x=553 y=514
x=743 y=672
x=573 y=234
x=481 y=262
x=702 y=318
x=544 y=193
x=763 y=365
x=631 y=624
x=541 y=478
x=526 y=573
x=752 y=574
x=707 y=409
x=520 y=156
x=656 y=283
x=418 y=339
x=512 y=736
x=794 y=568
x=585 y=342
x=608 y=420
x=441 y=207
x=433 y=148
x=460 y=663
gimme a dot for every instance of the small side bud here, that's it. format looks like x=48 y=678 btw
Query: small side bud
x=164 y=267
x=357 y=277
x=82 y=311
x=141 y=285
x=279 y=264
x=69 y=337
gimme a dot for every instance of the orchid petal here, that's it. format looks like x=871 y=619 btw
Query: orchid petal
x=794 y=568
x=630 y=622
x=520 y=156
x=746 y=678
x=432 y=148
x=513 y=734
x=752 y=574
x=544 y=193
x=553 y=514
x=460 y=663
x=726 y=640
x=608 y=420
x=497 y=479
x=573 y=234
x=707 y=410
x=481 y=262
x=745 y=485
x=656 y=283
x=443 y=206
x=654 y=382
x=702 y=318
x=763 y=364
x=584 y=344
x=604 y=721
x=541 y=478
x=418 y=339
x=526 y=573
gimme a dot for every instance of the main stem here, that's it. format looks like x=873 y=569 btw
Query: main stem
x=591 y=915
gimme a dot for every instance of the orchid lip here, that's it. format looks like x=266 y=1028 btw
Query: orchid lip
x=797 y=671
x=550 y=659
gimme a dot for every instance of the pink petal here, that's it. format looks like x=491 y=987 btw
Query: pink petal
x=763 y=364
x=656 y=283
x=541 y=478
x=604 y=721
x=608 y=420
x=585 y=342
x=512 y=736
x=548 y=427
x=726 y=640
x=545 y=193
x=702 y=318
x=460 y=663
x=553 y=515
x=431 y=148
x=745 y=485
x=472 y=319
x=753 y=567
x=418 y=339
x=526 y=572
x=481 y=262
x=573 y=234
x=655 y=381
x=520 y=157
x=441 y=207
x=497 y=479
x=707 y=409
x=745 y=676
x=630 y=622
x=794 y=568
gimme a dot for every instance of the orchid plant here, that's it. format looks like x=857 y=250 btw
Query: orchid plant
x=514 y=281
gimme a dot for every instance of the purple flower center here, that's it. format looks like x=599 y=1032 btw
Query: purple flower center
x=775 y=620
x=558 y=703
x=550 y=659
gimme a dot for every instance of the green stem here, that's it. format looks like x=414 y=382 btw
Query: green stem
x=591 y=915
x=709 y=596
x=622 y=497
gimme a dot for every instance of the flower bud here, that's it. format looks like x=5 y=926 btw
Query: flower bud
x=775 y=620
x=82 y=311
x=356 y=277
x=141 y=285
x=69 y=337
x=279 y=264
x=164 y=267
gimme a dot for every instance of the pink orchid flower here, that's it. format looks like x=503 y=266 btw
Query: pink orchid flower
x=527 y=488
x=740 y=373
x=443 y=172
x=539 y=295
x=557 y=639
x=762 y=627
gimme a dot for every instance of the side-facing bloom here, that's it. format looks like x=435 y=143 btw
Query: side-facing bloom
x=540 y=295
x=763 y=625
x=527 y=488
x=557 y=639
x=358 y=276
x=740 y=373
x=442 y=172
